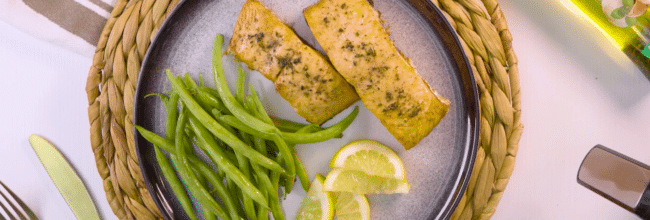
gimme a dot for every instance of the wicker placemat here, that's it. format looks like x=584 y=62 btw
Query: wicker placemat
x=133 y=23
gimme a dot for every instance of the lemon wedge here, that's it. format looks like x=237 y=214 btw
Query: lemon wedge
x=351 y=206
x=317 y=204
x=340 y=180
x=369 y=157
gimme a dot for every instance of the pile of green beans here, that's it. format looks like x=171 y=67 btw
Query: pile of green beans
x=250 y=154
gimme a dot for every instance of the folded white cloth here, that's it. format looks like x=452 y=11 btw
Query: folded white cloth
x=71 y=24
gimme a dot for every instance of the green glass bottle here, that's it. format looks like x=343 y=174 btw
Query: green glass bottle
x=626 y=23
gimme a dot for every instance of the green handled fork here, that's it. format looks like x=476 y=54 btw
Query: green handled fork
x=19 y=212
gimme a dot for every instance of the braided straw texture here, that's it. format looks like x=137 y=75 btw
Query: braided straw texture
x=488 y=45
x=133 y=23
x=110 y=88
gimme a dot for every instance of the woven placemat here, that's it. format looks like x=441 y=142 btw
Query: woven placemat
x=133 y=23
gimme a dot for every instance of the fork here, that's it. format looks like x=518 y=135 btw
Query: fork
x=19 y=213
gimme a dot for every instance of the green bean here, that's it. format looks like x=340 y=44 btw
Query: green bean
x=275 y=203
x=301 y=172
x=172 y=114
x=233 y=190
x=238 y=111
x=163 y=97
x=276 y=211
x=260 y=173
x=230 y=155
x=217 y=183
x=249 y=207
x=189 y=82
x=260 y=144
x=182 y=164
x=208 y=144
x=286 y=125
x=169 y=147
x=200 y=178
x=217 y=116
x=281 y=123
x=232 y=131
x=255 y=106
x=310 y=128
x=215 y=128
x=304 y=180
x=261 y=112
x=229 y=169
x=156 y=140
x=239 y=125
x=206 y=98
x=170 y=105
x=291 y=127
x=203 y=99
x=267 y=188
x=240 y=90
x=257 y=172
x=263 y=179
x=226 y=96
x=282 y=145
x=262 y=214
x=174 y=183
x=251 y=106
x=207 y=215
x=210 y=90
x=200 y=193
x=287 y=158
x=294 y=138
x=323 y=135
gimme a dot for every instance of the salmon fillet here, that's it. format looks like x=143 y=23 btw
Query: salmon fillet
x=301 y=75
x=359 y=47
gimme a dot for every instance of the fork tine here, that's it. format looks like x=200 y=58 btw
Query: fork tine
x=20 y=202
x=12 y=207
x=6 y=211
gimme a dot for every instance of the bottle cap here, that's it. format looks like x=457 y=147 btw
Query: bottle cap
x=618 y=178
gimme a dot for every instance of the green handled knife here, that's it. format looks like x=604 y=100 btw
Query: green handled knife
x=65 y=178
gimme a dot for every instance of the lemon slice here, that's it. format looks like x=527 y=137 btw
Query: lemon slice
x=370 y=157
x=351 y=206
x=317 y=204
x=340 y=180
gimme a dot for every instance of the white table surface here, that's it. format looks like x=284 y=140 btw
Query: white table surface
x=577 y=92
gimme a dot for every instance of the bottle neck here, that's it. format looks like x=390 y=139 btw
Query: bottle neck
x=643 y=31
x=641 y=38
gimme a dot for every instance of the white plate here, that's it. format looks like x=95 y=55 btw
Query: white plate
x=438 y=168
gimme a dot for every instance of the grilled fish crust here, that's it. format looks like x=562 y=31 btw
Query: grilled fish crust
x=352 y=34
x=301 y=75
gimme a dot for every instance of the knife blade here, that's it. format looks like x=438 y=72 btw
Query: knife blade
x=65 y=178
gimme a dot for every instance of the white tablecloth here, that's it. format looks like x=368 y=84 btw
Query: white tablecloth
x=576 y=91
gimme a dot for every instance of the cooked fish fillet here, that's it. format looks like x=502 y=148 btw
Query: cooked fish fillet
x=351 y=33
x=301 y=75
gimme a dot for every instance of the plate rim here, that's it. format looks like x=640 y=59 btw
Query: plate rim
x=473 y=113
x=448 y=34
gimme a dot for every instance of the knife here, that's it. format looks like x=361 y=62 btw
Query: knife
x=65 y=178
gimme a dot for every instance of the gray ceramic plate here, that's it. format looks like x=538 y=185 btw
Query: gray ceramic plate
x=438 y=169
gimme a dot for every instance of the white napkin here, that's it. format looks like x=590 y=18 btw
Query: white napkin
x=71 y=24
